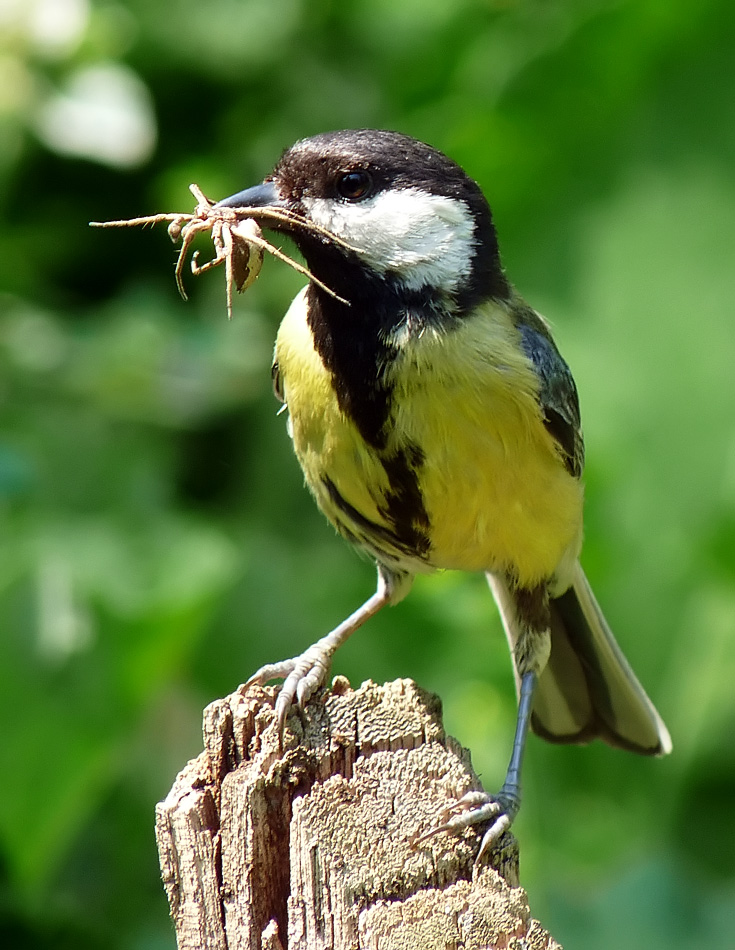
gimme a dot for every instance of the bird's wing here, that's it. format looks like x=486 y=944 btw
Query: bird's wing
x=557 y=391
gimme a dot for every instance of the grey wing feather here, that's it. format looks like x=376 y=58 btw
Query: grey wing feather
x=557 y=391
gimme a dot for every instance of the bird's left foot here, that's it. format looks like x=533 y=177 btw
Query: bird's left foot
x=475 y=808
x=301 y=676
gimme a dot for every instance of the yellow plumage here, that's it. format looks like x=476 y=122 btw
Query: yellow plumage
x=497 y=493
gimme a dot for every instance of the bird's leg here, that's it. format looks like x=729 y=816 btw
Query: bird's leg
x=304 y=674
x=530 y=655
x=509 y=797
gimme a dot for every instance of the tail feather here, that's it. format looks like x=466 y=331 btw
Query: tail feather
x=588 y=689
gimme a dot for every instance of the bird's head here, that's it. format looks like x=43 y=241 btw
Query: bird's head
x=405 y=215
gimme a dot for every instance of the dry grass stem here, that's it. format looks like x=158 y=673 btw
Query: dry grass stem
x=238 y=241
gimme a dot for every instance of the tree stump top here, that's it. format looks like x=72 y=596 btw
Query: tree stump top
x=313 y=846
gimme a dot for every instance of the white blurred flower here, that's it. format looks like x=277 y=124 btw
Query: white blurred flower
x=104 y=113
x=52 y=28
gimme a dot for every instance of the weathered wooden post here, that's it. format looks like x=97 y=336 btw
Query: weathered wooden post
x=312 y=848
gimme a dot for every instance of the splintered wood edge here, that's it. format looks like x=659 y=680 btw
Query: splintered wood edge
x=266 y=848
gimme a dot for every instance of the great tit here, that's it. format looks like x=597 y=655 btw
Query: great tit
x=438 y=428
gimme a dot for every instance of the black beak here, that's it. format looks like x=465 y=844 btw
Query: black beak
x=264 y=195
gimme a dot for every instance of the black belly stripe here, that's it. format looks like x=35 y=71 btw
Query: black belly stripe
x=356 y=520
x=406 y=539
x=404 y=503
x=354 y=345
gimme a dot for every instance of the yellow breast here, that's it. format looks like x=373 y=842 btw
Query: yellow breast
x=497 y=494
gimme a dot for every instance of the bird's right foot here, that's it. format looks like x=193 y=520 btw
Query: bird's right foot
x=475 y=808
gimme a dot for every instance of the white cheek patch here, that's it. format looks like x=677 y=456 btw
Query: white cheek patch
x=422 y=238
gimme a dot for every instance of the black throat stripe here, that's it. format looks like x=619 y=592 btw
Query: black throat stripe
x=356 y=354
x=353 y=341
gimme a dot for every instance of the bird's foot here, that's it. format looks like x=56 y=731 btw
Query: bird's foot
x=302 y=676
x=476 y=808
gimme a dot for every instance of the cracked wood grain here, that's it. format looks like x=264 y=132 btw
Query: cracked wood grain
x=311 y=847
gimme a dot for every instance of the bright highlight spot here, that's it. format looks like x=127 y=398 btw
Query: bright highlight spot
x=104 y=113
x=53 y=28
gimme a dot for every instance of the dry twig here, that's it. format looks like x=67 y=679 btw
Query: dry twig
x=238 y=241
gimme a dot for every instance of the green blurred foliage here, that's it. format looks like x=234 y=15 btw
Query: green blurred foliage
x=158 y=544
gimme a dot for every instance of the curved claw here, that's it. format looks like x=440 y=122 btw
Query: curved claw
x=283 y=704
x=271 y=671
x=501 y=824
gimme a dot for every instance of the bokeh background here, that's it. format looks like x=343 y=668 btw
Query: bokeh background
x=157 y=543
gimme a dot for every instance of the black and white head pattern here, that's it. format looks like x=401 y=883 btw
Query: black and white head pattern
x=413 y=216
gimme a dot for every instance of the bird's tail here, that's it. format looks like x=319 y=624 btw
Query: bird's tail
x=588 y=689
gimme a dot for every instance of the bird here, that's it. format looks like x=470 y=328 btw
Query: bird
x=438 y=428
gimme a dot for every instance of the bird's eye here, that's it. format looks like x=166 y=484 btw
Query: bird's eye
x=352 y=186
